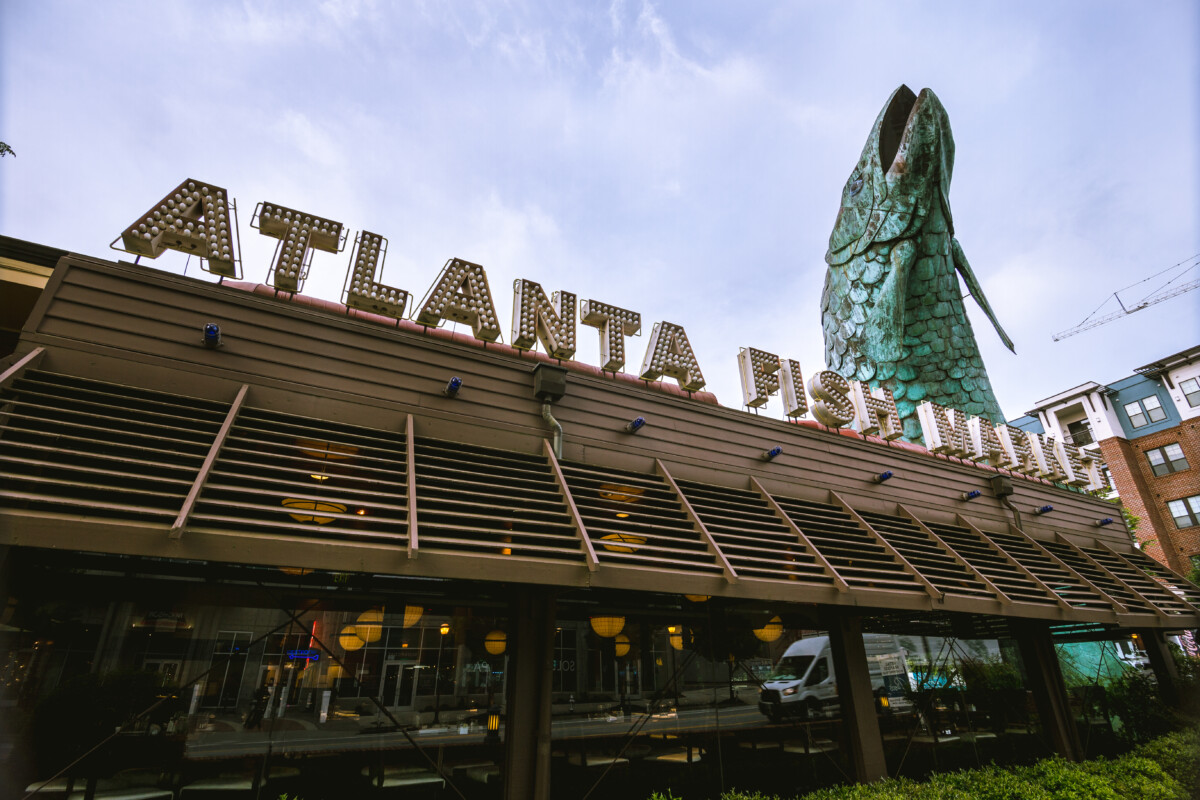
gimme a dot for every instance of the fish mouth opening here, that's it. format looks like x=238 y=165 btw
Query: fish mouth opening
x=891 y=130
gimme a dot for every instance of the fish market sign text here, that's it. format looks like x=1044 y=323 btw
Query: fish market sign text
x=196 y=218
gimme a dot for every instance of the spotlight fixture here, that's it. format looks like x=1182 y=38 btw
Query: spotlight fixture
x=1100 y=523
x=769 y=455
x=212 y=335
x=635 y=425
x=883 y=476
x=452 y=387
x=1043 y=510
x=971 y=495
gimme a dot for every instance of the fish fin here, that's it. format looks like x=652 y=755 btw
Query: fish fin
x=964 y=269
x=885 y=325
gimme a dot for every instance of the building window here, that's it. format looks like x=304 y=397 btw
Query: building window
x=1186 y=511
x=1143 y=412
x=1191 y=391
x=1166 y=459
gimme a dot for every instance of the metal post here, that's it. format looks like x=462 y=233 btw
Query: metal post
x=437 y=676
x=1049 y=692
x=1163 y=664
x=858 y=701
x=527 y=723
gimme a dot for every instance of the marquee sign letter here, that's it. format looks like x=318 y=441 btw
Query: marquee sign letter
x=1045 y=458
x=365 y=292
x=669 y=353
x=614 y=324
x=758 y=371
x=192 y=219
x=985 y=444
x=1017 y=454
x=944 y=429
x=1092 y=465
x=791 y=388
x=298 y=234
x=876 y=411
x=537 y=319
x=832 y=404
x=462 y=294
x=1073 y=470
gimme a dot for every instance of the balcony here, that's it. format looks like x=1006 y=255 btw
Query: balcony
x=1080 y=437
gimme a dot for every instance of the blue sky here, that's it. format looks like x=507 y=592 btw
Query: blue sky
x=684 y=160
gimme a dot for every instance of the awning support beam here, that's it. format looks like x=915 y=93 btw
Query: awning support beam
x=210 y=461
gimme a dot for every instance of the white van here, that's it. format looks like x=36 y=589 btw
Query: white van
x=803 y=683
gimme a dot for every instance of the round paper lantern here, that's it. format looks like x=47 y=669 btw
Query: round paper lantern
x=771 y=631
x=370 y=625
x=350 y=640
x=607 y=626
x=495 y=642
x=622 y=645
x=412 y=615
x=676 y=635
x=622 y=542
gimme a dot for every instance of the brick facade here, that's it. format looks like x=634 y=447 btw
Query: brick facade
x=1146 y=494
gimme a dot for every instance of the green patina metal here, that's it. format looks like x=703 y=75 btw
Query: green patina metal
x=892 y=309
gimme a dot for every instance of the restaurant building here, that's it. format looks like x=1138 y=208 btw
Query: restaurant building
x=327 y=552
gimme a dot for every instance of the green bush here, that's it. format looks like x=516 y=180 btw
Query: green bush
x=1179 y=756
x=1167 y=768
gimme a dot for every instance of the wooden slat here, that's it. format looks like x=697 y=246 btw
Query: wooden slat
x=589 y=551
x=28 y=361
x=932 y=590
x=823 y=562
x=730 y=574
x=1001 y=596
x=1142 y=570
x=1050 y=593
x=1015 y=531
x=211 y=459
x=410 y=450
x=1074 y=548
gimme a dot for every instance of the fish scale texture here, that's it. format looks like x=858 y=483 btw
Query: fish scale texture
x=892 y=308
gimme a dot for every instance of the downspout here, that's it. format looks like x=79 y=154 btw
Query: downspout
x=1016 y=513
x=558 y=433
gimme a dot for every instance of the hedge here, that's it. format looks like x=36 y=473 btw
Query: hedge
x=1167 y=768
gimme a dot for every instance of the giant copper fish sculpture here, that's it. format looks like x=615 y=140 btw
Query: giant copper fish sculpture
x=892 y=309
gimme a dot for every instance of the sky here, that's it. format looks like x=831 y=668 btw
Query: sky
x=684 y=160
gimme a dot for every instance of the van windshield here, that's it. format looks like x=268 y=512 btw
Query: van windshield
x=790 y=668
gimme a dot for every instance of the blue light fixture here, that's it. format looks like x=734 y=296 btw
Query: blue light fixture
x=212 y=335
x=971 y=495
x=452 y=387
x=1100 y=523
x=635 y=425
x=771 y=454
x=883 y=476
x=1043 y=510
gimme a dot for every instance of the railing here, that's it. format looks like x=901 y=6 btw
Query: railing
x=1079 y=438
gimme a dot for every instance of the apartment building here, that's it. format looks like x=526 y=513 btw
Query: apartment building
x=1147 y=428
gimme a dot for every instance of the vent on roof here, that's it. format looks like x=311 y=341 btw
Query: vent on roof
x=852 y=551
x=307 y=477
x=117 y=451
x=1149 y=578
x=492 y=502
x=926 y=555
x=991 y=563
x=636 y=519
x=752 y=537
